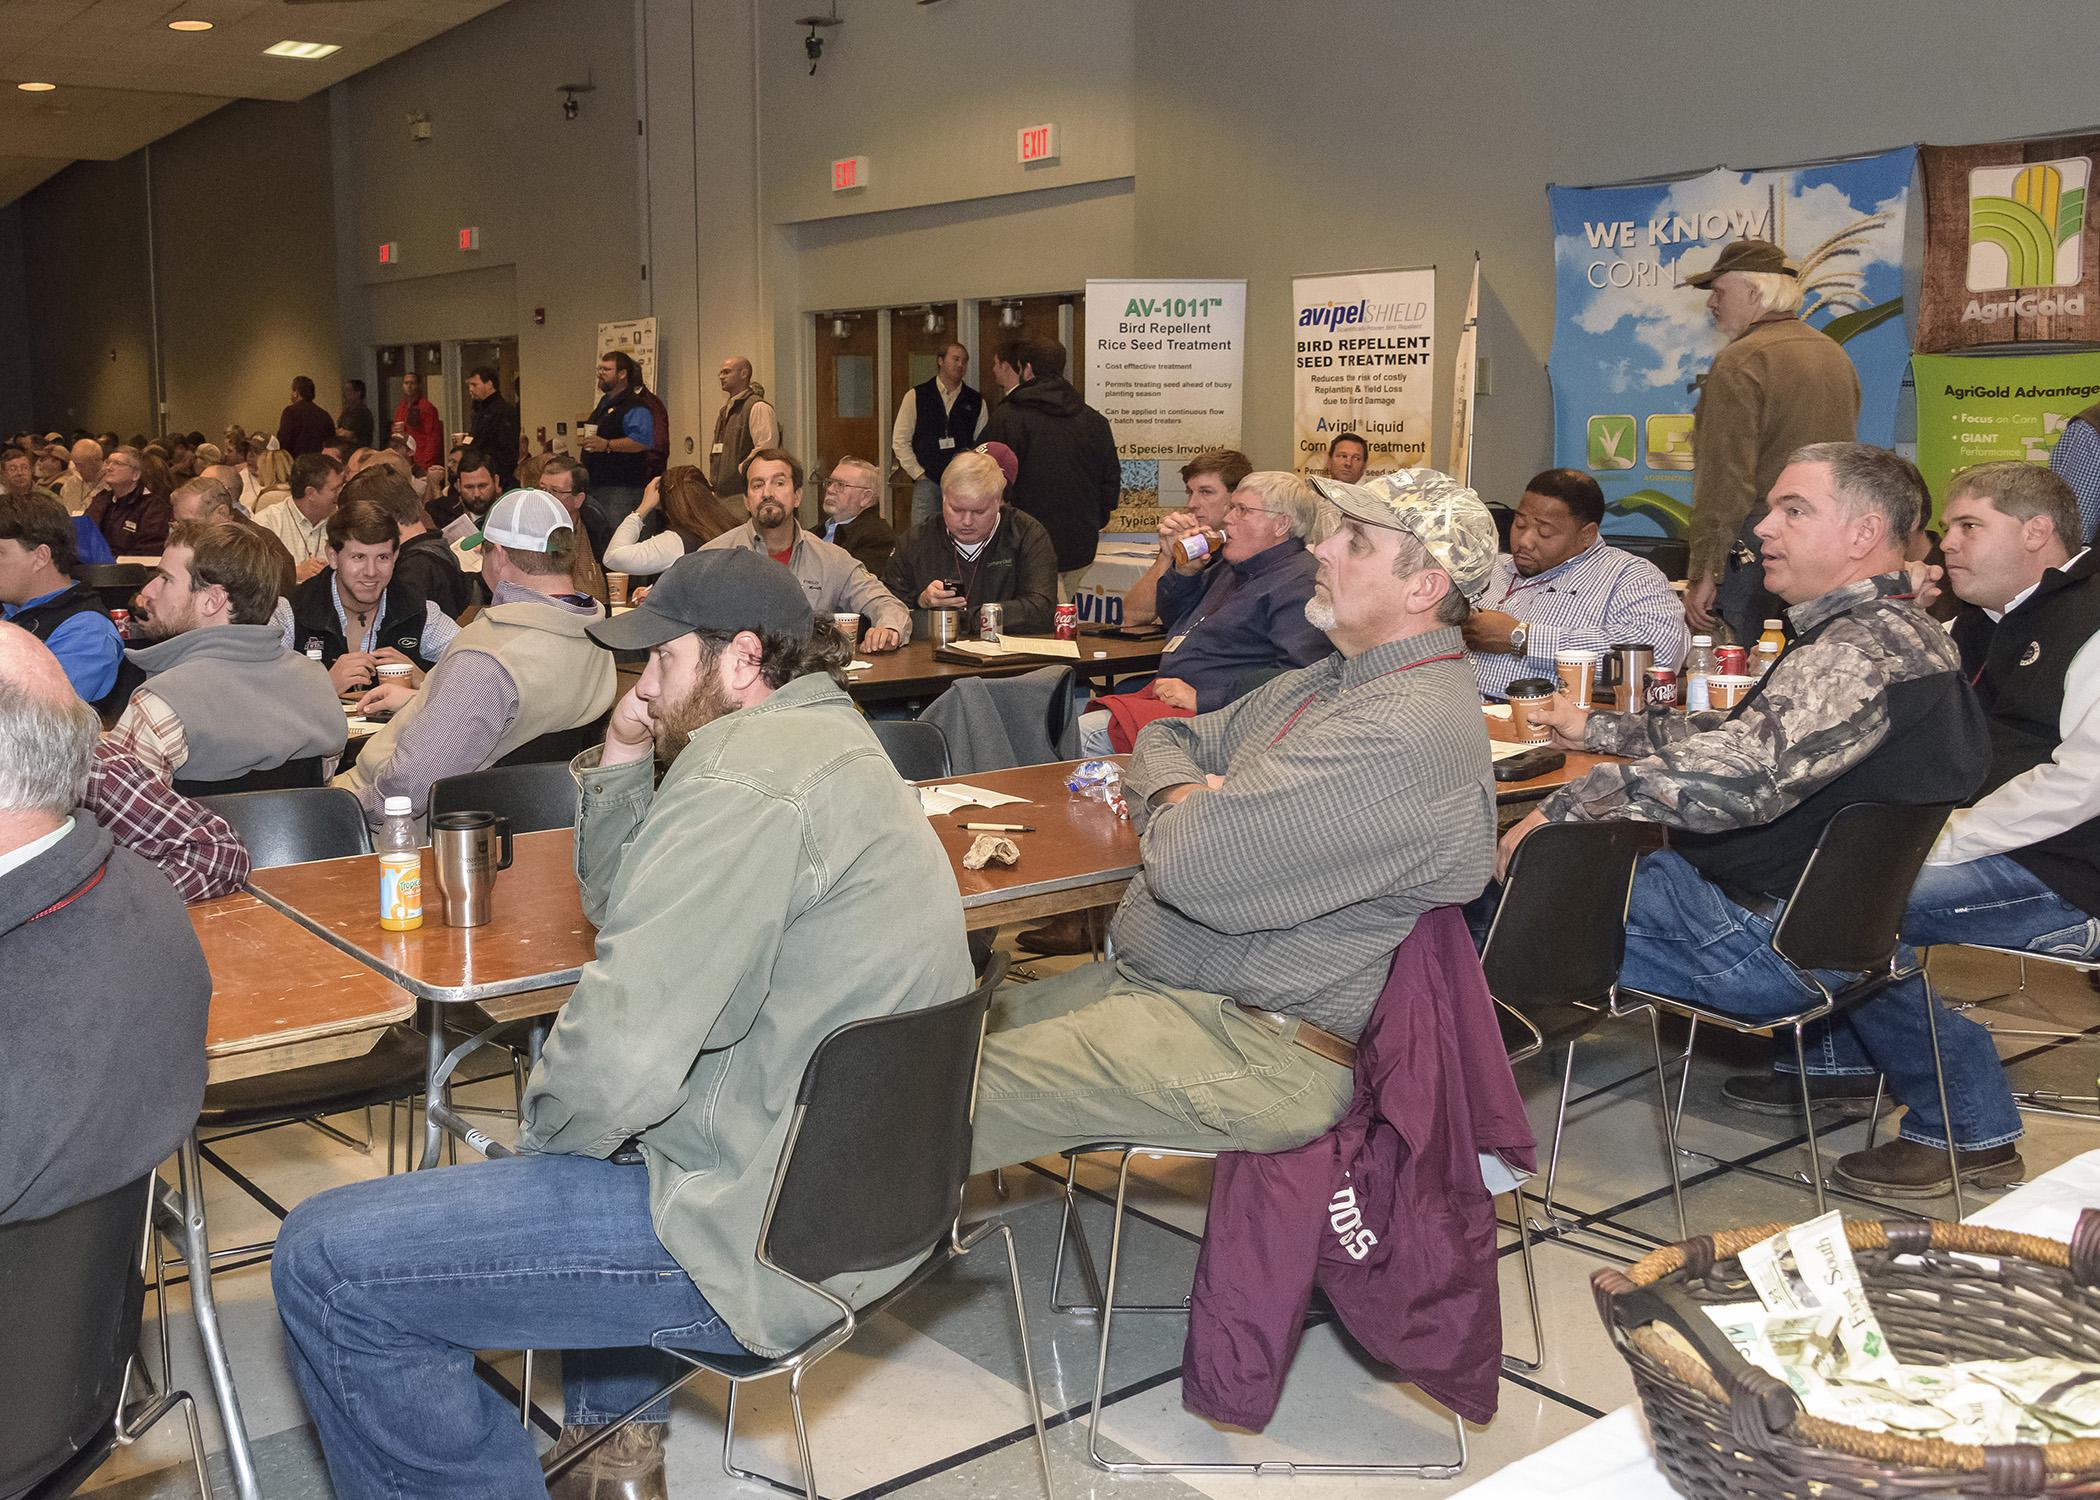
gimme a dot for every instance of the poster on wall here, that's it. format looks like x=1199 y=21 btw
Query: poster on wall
x=1979 y=409
x=1164 y=363
x=1631 y=341
x=1465 y=369
x=637 y=336
x=1363 y=354
x=2011 y=250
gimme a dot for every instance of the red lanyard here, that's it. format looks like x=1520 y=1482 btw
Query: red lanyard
x=1424 y=661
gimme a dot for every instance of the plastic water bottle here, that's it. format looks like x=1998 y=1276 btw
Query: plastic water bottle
x=1698 y=666
x=400 y=868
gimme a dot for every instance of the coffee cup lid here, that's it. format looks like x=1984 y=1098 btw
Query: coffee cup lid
x=1574 y=655
x=1532 y=687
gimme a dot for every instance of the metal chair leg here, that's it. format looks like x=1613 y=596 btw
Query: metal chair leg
x=1108 y=1314
x=1881 y=1084
x=1030 y=1389
x=1531 y=1291
x=1068 y=1217
x=1551 y=1223
x=1808 y=1119
x=999 y=1188
x=1684 y=1080
x=189 y=1229
x=809 y=1472
x=1662 y=1084
x=525 y=1390
x=1939 y=1078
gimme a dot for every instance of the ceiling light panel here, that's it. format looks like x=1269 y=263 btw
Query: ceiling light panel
x=306 y=51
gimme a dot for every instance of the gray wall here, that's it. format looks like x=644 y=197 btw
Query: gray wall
x=17 y=391
x=84 y=235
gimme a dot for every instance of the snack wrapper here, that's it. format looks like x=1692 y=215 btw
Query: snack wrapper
x=1101 y=780
x=990 y=849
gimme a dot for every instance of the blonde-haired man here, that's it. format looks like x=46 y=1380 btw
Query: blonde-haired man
x=977 y=550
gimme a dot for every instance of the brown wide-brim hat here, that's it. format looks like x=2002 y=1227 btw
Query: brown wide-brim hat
x=1745 y=255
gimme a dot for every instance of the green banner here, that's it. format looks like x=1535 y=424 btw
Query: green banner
x=1979 y=409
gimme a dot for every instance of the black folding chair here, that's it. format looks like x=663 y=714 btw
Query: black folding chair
x=918 y=750
x=72 y=1296
x=1843 y=917
x=1553 y=954
x=117 y=583
x=534 y=797
x=562 y=745
x=293 y=825
x=907 y=1080
x=304 y=771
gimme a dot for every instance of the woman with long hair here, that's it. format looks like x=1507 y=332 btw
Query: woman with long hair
x=679 y=511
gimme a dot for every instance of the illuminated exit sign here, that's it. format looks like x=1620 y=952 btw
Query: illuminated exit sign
x=390 y=253
x=848 y=173
x=1037 y=143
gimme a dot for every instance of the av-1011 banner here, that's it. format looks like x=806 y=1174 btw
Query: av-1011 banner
x=2011 y=235
x=1630 y=340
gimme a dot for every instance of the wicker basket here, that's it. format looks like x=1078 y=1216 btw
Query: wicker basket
x=1726 y=1430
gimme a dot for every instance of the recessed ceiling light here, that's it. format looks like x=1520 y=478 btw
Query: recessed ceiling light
x=189 y=26
x=36 y=88
x=307 y=50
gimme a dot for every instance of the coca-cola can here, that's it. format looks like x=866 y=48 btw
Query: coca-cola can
x=1733 y=661
x=1659 y=689
x=1067 y=622
x=121 y=618
x=991 y=619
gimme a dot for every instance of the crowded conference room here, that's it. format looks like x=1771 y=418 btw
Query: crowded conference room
x=1156 y=748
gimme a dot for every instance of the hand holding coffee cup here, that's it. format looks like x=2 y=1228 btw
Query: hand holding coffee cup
x=1528 y=698
x=1563 y=720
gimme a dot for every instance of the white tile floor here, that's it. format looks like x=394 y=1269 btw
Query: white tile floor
x=928 y=1403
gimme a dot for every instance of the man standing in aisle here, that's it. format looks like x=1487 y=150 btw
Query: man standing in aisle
x=744 y=425
x=492 y=426
x=1779 y=385
x=417 y=420
x=303 y=427
x=1070 y=477
x=937 y=419
x=835 y=583
x=354 y=420
x=622 y=434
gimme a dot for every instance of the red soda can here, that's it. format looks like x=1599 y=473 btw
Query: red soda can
x=121 y=618
x=991 y=621
x=1733 y=661
x=1659 y=689
x=1067 y=622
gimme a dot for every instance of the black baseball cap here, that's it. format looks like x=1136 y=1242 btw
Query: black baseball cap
x=724 y=589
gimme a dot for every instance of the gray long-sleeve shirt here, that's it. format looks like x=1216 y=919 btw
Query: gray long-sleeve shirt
x=832 y=577
x=1358 y=794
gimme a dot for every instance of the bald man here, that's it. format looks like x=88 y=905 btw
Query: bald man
x=80 y=921
x=743 y=426
x=78 y=484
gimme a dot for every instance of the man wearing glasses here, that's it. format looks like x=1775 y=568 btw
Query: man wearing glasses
x=850 y=518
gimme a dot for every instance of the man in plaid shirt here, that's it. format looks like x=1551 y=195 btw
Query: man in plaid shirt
x=193 y=846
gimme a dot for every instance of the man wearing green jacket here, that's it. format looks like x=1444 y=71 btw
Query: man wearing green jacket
x=781 y=882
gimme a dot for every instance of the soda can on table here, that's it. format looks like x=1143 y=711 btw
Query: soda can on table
x=121 y=618
x=1659 y=689
x=991 y=619
x=1733 y=661
x=1067 y=622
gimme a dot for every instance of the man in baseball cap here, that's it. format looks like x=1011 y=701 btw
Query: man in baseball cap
x=1290 y=839
x=780 y=883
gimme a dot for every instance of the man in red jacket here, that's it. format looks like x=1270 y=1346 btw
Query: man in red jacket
x=417 y=420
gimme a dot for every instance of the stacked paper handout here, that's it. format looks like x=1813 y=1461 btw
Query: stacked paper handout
x=1812 y=1327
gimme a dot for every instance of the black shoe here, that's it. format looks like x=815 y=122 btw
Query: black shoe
x=1850 y=1094
x=1059 y=937
x=1905 y=1169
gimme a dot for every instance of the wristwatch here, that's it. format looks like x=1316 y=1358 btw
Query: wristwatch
x=1519 y=633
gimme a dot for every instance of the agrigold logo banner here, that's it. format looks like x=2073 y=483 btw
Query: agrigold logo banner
x=1364 y=362
x=1631 y=342
x=2010 y=244
x=1984 y=409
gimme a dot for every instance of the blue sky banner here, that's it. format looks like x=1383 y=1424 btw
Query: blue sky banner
x=1630 y=340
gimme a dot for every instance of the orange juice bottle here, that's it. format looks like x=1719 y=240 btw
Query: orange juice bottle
x=400 y=869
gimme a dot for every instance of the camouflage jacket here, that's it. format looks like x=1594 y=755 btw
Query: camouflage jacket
x=1822 y=710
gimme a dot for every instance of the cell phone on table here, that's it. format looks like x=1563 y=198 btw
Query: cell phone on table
x=1531 y=763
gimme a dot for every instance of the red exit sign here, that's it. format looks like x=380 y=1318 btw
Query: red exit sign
x=848 y=173
x=1037 y=143
x=390 y=253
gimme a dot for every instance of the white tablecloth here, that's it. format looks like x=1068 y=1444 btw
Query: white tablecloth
x=1613 y=1459
x=1119 y=561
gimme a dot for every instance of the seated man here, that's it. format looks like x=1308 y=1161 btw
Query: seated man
x=835 y=583
x=424 y=563
x=1236 y=617
x=86 y=1105
x=301 y=522
x=852 y=519
x=132 y=517
x=206 y=499
x=355 y=611
x=978 y=550
x=1562 y=588
x=1208 y=480
x=522 y=668
x=780 y=883
x=223 y=695
x=1867 y=704
x=37 y=592
x=1290 y=840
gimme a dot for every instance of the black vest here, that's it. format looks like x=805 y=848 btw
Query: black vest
x=2019 y=666
x=1936 y=750
x=315 y=623
x=79 y=599
x=934 y=423
x=630 y=470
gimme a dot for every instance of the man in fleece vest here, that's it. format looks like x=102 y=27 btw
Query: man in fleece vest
x=223 y=694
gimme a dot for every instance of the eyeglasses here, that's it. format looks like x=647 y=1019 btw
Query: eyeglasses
x=1237 y=509
x=840 y=484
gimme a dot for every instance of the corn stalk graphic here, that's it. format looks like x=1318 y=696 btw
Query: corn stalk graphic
x=2030 y=225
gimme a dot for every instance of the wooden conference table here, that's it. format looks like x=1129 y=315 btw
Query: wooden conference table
x=911 y=672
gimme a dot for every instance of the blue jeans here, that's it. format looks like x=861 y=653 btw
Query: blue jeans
x=1996 y=901
x=388 y=1288
x=1685 y=939
x=925 y=500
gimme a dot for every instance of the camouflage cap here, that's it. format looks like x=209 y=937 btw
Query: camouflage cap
x=1744 y=255
x=1435 y=509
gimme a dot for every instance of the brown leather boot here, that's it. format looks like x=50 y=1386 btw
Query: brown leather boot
x=629 y=1465
x=1058 y=937
x=1905 y=1169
